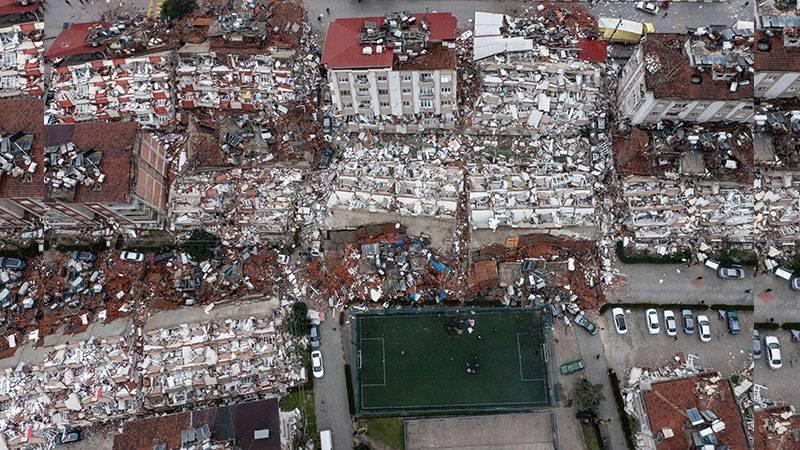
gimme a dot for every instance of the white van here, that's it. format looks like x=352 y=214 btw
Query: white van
x=325 y=440
x=783 y=273
x=712 y=264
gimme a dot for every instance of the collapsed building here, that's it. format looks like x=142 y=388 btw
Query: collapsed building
x=777 y=428
x=78 y=176
x=531 y=82
x=705 y=77
x=21 y=49
x=394 y=74
x=94 y=79
x=777 y=53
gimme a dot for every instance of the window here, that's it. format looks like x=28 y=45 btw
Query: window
x=347 y=105
x=384 y=104
x=363 y=90
x=9 y=58
x=426 y=103
x=406 y=77
x=446 y=103
x=83 y=90
x=361 y=78
x=345 y=93
x=381 y=77
x=383 y=92
x=425 y=76
x=426 y=91
x=447 y=90
x=406 y=103
x=406 y=91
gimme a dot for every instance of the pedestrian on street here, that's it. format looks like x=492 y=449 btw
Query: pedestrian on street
x=328 y=10
x=665 y=14
x=747 y=291
x=319 y=18
x=597 y=356
x=768 y=290
x=67 y=2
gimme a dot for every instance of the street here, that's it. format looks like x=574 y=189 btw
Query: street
x=330 y=391
x=775 y=301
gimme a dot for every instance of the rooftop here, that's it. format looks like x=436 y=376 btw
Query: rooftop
x=73 y=41
x=667 y=404
x=778 y=58
x=24 y=115
x=779 y=13
x=777 y=429
x=114 y=141
x=669 y=73
x=348 y=39
x=237 y=422
x=11 y=7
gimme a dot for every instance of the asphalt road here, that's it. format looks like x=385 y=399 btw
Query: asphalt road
x=676 y=283
x=330 y=391
x=781 y=383
x=775 y=301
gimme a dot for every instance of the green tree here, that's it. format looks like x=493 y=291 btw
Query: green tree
x=200 y=245
x=588 y=396
x=298 y=322
x=175 y=9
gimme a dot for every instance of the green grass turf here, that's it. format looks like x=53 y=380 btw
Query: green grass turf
x=432 y=375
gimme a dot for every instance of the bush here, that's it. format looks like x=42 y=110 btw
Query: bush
x=298 y=322
x=629 y=424
x=736 y=255
x=588 y=396
x=646 y=257
x=175 y=9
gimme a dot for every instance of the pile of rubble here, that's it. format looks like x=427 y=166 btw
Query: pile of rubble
x=70 y=166
x=16 y=155
x=21 y=61
x=136 y=87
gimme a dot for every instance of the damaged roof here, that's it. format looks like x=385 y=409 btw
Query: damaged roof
x=24 y=115
x=115 y=141
x=672 y=72
x=72 y=41
x=778 y=58
x=343 y=47
x=10 y=7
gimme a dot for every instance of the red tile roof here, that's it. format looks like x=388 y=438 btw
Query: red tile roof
x=116 y=142
x=778 y=58
x=72 y=41
x=343 y=49
x=24 y=114
x=10 y=7
x=594 y=51
x=668 y=401
x=673 y=79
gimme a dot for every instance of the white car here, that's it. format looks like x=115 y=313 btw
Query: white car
x=704 y=328
x=670 y=324
x=316 y=364
x=132 y=256
x=652 y=321
x=773 y=352
x=648 y=7
x=618 y=315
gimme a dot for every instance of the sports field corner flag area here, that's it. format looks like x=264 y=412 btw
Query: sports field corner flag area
x=450 y=360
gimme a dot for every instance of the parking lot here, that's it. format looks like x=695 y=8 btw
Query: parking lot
x=637 y=348
x=775 y=301
x=781 y=383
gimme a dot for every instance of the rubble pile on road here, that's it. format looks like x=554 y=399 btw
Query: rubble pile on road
x=99 y=380
x=138 y=87
x=21 y=57
x=411 y=189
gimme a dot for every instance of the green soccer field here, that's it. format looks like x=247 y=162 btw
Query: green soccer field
x=417 y=362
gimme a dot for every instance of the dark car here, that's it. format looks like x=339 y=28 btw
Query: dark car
x=82 y=256
x=326 y=157
x=756 y=345
x=586 y=324
x=733 y=323
x=12 y=263
x=165 y=256
x=314 y=333
x=688 y=321
x=68 y=436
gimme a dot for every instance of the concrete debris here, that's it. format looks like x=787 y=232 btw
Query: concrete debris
x=21 y=59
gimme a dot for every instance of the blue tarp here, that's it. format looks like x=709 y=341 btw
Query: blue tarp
x=439 y=266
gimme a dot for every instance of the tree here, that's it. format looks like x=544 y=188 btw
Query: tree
x=589 y=396
x=200 y=245
x=298 y=322
x=175 y=9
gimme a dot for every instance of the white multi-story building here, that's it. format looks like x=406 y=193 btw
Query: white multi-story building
x=696 y=79
x=395 y=73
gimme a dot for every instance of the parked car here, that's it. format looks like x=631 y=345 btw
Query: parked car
x=704 y=328
x=314 y=332
x=648 y=7
x=796 y=283
x=11 y=263
x=132 y=256
x=68 y=436
x=652 y=321
x=756 y=345
x=586 y=324
x=688 y=321
x=733 y=323
x=82 y=256
x=773 y=352
x=670 y=324
x=572 y=367
x=327 y=124
x=316 y=364
x=619 y=320
x=164 y=256
x=731 y=273
x=326 y=157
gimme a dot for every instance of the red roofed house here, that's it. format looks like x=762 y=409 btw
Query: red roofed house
x=391 y=70
x=703 y=78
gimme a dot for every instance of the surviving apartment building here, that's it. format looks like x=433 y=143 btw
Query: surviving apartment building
x=777 y=53
x=104 y=71
x=705 y=77
x=395 y=73
x=21 y=48
x=78 y=176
